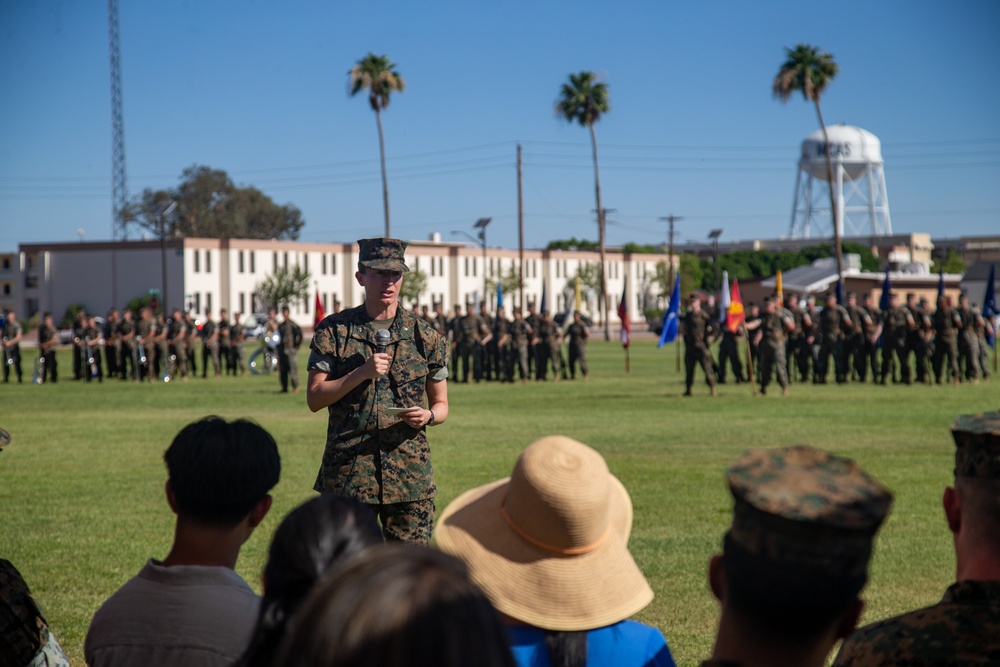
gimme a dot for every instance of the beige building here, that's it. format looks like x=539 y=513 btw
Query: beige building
x=205 y=275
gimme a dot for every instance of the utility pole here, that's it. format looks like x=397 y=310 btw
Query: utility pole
x=602 y=221
x=670 y=281
x=520 y=229
x=119 y=190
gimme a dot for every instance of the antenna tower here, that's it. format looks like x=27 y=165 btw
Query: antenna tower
x=119 y=191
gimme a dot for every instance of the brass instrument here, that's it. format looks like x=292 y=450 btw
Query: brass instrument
x=39 y=376
x=91 y=361
x=7 y=353
x=169 y=367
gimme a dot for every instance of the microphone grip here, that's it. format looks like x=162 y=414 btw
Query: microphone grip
x=382 y=337
x=380 y=349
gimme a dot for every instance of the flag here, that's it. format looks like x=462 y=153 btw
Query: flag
x=319 y=311
x=623 y=315
x=576 y=302
x=777 y=286
x=499 y=295
x=990 y=305
x=840 y=291
x=885 y=302
x=940 y=283
x=545 y=300
x=724 y=301
x=671 y=317
x=735 y=315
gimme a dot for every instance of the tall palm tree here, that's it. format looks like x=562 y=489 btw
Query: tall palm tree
x=377 y=75
x=584 y=99
x=810 y=71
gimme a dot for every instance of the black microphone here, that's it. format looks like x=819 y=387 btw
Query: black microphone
x=382 y=337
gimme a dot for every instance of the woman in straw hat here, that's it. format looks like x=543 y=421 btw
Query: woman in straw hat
x=548 y=545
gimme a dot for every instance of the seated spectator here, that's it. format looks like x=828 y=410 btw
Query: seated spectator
x=396 y=606
x=548 y=545
x=963 y=629
x=314 y=537
x=192 y=608
x=25 y=640
x=796 y=557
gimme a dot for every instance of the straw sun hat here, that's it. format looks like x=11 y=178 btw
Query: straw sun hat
x=548 y=543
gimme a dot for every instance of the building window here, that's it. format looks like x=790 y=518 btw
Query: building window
x=6 y=289
x=475 y=262
x=253 y=262
x=333 y=264
x=240 y=260
x=208 y=303
x=6 y=263
x=197 y=303
x=208 y=261
x=305 y=262
x=285 y=258
x=326 y=304
x=323 y=264
x=197 y=261
x=274 y=257
x=416 y=263
x=243 y=300
x=466 y=267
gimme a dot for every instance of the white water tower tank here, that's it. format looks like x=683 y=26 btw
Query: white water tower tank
x=858 y=184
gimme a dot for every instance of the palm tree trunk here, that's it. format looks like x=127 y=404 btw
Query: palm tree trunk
x=603 y=304
x=833 y=197
x=385 y=183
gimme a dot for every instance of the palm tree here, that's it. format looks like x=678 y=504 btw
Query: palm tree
x=584 y=99
x=377 y=75
x=809 y=70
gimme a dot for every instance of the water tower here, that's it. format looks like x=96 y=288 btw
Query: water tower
x=858 y=185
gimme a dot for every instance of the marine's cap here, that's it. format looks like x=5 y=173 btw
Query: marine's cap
x=977 y=442
x=805 y=507
x=382 y=254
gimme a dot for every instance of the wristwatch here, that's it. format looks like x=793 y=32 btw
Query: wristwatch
x=431 y=420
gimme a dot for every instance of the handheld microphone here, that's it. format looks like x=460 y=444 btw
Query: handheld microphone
x=382 y=337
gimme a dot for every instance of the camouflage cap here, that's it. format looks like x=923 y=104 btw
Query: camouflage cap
x=977 y=442
x=806 y=507
x=382 y=254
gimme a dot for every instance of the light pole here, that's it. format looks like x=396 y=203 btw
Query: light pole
x=162 y=210
x=714 y=235
x=481 y=242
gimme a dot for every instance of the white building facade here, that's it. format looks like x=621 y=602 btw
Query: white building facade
x=206 y=275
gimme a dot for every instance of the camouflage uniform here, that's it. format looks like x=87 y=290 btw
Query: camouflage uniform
x=48 y=338
x=288 y=353
x=772 y=349
x=963 y=629
x=546 y=348
x=968 y=343
x=24 y=634
x=897 y=323
x=11 y=332
x=946 y=322
x=176 y=348
x=520 y=336
x=371 y=455
x=834 y=321
x=699 y=326
x=578 y=335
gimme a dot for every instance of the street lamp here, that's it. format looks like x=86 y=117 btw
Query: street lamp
x=162 y=210
x=714 y=235
x=481 y=242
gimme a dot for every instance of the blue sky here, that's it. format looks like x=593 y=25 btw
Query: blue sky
x=259 y=89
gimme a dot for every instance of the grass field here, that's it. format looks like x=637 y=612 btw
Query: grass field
x=81 y=486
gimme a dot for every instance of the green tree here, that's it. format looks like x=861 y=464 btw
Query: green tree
x=414 y=284
x=692 y=273
x=378 y=77
x=284 y=287
x=510 y=282
x=952 y=262
x=808 y=70
x=572 y=243
x=209 y=205
x=584 y=99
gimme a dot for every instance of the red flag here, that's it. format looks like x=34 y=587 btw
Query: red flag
x=735 y=315
x=623 y=316
x=319 y=311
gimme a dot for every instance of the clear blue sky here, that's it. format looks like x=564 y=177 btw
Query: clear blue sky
x=259 y=89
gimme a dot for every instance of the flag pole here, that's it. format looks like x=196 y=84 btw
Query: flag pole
x=753 y=383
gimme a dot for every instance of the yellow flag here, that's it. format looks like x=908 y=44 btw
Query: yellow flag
x=777 y=285
x=577 y=302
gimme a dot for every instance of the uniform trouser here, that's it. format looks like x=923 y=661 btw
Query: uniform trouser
x=577 y=355
x=946 y=348
x=180 y=354
x=124 y=359
x=859 y=356
x=92 y=371
x=406 y=522
x=192 y=357
x=288 y=367
x=984 y=357
x=920 y=349
x=77 y=359
x=111 y=356
x=871 y=351
x=209 y=351
x=15 y=356
x=968 y=350
x=803 y=359
x=772 y=359
x=519 y=355
x=729 y=351
x=226 y=358
x=489 y=360
x=835 y=347
x=239 y=358
x=695 y=354
x=51 y=371
x=470 y=359
x=547 y=352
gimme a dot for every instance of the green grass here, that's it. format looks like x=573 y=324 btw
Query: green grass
x=81 y=487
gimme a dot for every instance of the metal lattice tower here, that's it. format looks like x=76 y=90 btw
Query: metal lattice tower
x=119 y=191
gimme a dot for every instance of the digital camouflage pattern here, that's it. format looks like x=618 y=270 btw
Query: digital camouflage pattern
x=382 y=254
x=977 y=443
x=963 y=630
x=22 y=628
x=371 y=455
x=806 y=507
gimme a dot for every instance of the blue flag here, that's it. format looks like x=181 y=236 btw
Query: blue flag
x=840 y=291
x=990 y=305
x=884 y=302
x=499 y=295
x=545 y=299
x=671 y=318
x=725 y=300
x=940 y=283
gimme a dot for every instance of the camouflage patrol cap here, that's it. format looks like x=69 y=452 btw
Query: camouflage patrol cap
x=977 y=442
x=382 y=254
x=805 y=507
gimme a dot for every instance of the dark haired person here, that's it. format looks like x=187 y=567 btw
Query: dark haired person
x=796 y=557
x=963 y=629
x=192 y=608
x=313 y=538
x=396 y=606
